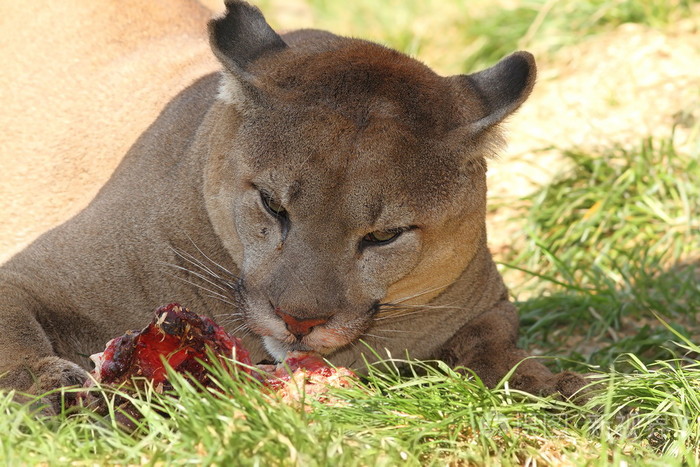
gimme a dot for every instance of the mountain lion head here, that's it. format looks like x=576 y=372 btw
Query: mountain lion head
x=345 y=178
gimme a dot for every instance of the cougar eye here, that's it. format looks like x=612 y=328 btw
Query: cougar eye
x=382 y=237
x=273 y=206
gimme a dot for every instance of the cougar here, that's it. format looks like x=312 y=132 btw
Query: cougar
x=318 y=193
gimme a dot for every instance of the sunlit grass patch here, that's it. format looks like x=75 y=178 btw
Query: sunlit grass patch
x=431 y=415
x=609 y=242
x=655 y=407
x=435 y=416
x=612 y=205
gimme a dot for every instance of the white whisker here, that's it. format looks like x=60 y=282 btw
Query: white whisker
x=209 y=259
x=195 y=262
x=423 y=292
x=366 y=334
x=200 y=286
x=198 y=275
x=222 y=299
x=427 y=307
x=240 y=327
x=398 y=314
x=399 y=331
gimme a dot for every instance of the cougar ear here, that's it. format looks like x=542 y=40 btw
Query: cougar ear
x=238 y=38
x=502 y=88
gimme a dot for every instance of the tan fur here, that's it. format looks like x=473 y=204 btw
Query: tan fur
x=352 y=139
x=80 y=81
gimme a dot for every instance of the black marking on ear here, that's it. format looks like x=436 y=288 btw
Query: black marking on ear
x=242 y=36
x=503 y=87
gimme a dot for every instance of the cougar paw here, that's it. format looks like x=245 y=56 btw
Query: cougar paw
x=571 y=386
x=51 y=374
x=567 y=385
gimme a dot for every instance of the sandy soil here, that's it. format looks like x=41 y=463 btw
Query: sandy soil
x=614 y=89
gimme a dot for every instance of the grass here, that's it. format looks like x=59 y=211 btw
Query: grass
x=609 y=252
x=437 y=417
x=609 y=203
x=608 y=243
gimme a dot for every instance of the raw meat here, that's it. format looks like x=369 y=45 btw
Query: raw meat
x=187 y=341
x=177 y=336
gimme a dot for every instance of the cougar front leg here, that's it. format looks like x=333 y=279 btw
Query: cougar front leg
x=487 y=345
x=28 y=362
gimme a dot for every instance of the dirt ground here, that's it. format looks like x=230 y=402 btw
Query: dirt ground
x=614 y=88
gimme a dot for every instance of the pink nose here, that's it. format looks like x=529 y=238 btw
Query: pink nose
x=299 y=327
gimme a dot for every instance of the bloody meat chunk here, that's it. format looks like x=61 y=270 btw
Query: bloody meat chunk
x=177 y=336
x=310 y=364
x=305 y=375
x=185 y=341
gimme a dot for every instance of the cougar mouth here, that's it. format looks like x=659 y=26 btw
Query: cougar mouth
x=323 y=339
x=282 y=333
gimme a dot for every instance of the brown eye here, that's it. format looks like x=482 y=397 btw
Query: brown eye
x=273 y=206
x=381 y=237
